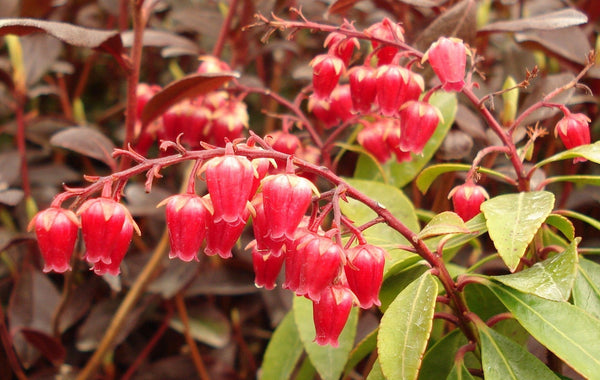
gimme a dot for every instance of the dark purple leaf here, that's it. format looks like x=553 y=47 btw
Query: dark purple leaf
x=107 y=41
x=458 y=21
x=86 y=141
x=177 y=275
x=161 y=38
x=50 y=347
x=140 y=203
x=10 y=164
x=185 y=88
x=36 y=8
x=11 y=197
x=542 y=87
x=456 y=145
x=207 y=325
x=222 y=281
x=341 y=7
x=548 y=21
x=469 y=122
x=40 y=52
x=77 y=305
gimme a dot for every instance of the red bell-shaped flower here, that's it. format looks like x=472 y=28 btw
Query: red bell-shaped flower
x=286 y=198
x=187 y=216
x=102 y=222
x=228 y=122
x=341 y=46
x=373 y=139
x=118 y=252
x=330 y=314
x=364 y=271
x=467 y=199
x=363 y=87
x=396 y=85
x=262 y=229
x=294 y=261
x=321 y=108
x=327 y=70
x=221 y=236
x=56 y=232
x=341 y=102
x=267 y=265
x=385 y=30
x=448 y=59
x=574 y=130
x=418 y=121
x=229 y=180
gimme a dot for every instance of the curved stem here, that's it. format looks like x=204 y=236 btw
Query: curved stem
x=218 y=48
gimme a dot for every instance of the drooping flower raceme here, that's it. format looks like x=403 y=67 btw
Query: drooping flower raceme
x=448 y=59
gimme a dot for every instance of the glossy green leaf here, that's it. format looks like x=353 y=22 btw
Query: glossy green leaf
x=405 y=328
x=283 y=352
x=328 y=361
x=586 y=292
x=580 y=179
x=563 y=224
x=396 y=283
x=394 y=200
x=376 y=373
x=399 y=174
x=590 y=152
x=459 y=372
x=552 y=278
x=363 y=348
x=429 y=174
x=439 y=359
x=446 y=223
x=503 y=359
x=584 y=218
x=476 y=226
x=513 y=220
x=566 y=330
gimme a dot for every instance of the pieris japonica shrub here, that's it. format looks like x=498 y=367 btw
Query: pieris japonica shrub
x=394 y=191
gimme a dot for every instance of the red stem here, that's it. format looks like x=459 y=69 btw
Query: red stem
x=218 y=48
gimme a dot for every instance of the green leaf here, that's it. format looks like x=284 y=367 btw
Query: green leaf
x=283 y=352
x=405 y=328
x=589 y=152
x=328 y=361
x=552 y=278
x=376 y=373
x=396 y=283
x=367 y=345
x=400 y=174
x=584 y=218
x=580 y=179
x=513 y=220
x=445 y=223
x=476 y=227
x=439 y=359
x=586 y=292
x=394 y=200
x=503 y=359
x=429 y=174
x=460 y=372
x=566 y=330
x=563 y=224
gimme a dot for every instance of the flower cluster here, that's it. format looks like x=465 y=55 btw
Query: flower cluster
x=317 y=265
x=212 y=118
x=385 y=95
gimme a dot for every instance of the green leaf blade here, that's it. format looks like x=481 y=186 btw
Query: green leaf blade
x=446 y=223
x=566 y=330
x=405 y=329
x=586 y=292
x=504 y=359
x=513 y=220
x=328 y=361
x=552 y=278
x=283 y=352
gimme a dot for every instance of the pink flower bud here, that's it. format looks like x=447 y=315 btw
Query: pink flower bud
x=373 y=139
x=286 y=198
x=56 y=232
x=467 y=199
x=330 y=314
x=363 y=87
x=341 y=102
x=385 y=30
x=364 y=271
x=327 y=70
x=228 y=122
x=229 y=180
x=102 y=221
x=341 y=46
x=267 y=265
x=418 y=121
x=574 y=130
x=322 y=109
x=118 y=252
x=211 y=64
x=396 y=85
x=187 y=215
x=448 y=58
